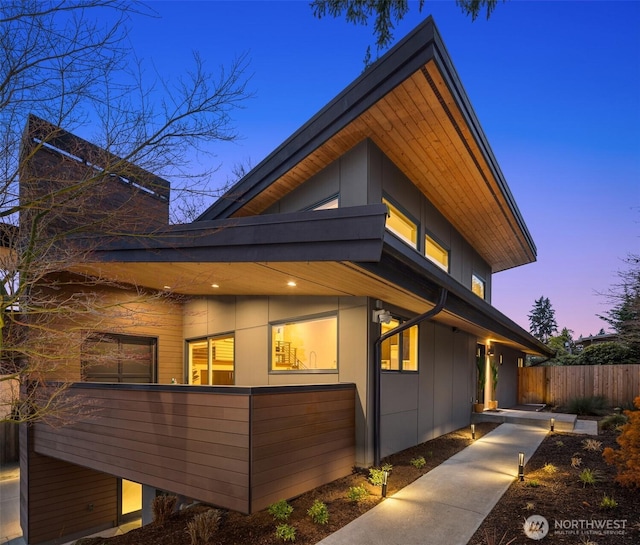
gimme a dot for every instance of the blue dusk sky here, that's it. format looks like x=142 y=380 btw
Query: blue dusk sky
x=555 y=85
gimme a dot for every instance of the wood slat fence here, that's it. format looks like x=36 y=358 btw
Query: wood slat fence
x=620 y=384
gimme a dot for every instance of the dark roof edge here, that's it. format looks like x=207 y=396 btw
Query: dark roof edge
x=461 y=298
x=342 y=234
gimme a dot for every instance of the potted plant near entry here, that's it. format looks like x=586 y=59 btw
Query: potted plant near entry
x=493 y=404
x=478 y=406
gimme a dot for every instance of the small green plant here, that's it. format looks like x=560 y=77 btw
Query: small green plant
x=318 y=512
x=576 y=461
x=376 y=475
x=203 y=526
x=530 y=506
x=592 y=445
x=286 y=532
x=357 y=493
x=559 y=443
x=608 y=503
x=533 y=483
x=550 y=469
x=418 y=462
x=589 y=477
x=280 y=510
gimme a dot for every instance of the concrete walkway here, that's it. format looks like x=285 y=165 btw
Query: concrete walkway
x=448 y=504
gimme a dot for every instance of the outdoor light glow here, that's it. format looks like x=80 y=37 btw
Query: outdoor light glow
x=553 y=423
x=291 y=284
x=521 y=465
x=167 y=287
x=215 y=285
x=473 y=431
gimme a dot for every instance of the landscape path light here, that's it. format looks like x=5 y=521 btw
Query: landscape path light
x=385 y=476
x=521 y=466
x=473 y=431
x=553 y=423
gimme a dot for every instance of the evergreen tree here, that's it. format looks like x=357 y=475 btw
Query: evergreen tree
x=624 y=315
x=542 y=320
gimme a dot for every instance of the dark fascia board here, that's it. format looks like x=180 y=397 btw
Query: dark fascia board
x=227 y=390
x=411 y=53
x=342 y=234
x=405 y=267
x=420 y=46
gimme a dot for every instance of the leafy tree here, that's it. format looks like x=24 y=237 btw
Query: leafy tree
x=387 y=13
x=542 y=320
x=69 y=65
x=624 y=315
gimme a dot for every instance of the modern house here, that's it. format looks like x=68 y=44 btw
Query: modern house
x=330 y=309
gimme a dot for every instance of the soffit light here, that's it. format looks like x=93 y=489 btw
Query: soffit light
x=215 y=285
x=291 y=284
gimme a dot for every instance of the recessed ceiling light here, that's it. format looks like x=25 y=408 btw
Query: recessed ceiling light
x=167 y=287
x=215 y=285
x=291 y=284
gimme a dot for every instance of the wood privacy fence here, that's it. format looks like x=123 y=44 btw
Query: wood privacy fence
x=557 y=385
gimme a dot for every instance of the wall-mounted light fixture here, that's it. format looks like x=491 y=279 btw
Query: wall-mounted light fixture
x=552 y=423
x=385 y=476
x=500 y=359
x=491 y=350
x=381 y=316
x=521 y=466
x=473 y=431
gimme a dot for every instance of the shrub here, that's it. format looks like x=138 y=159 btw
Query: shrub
x=613 y=421
x=608 y=353
x=627 y=457
x=592 y=445
x=318 y=512
x=162 y=507
x=589 y=476
x=357 y=493
x=550 y=469
x=576 y=462
x=286 y=532
x=280 y=510
x=419 y=462
x=376 y=476
x=533 y=483
x=203 y=526
x=588 y=406
x=608 y=503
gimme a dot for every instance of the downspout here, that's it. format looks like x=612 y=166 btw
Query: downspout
x=377 y=372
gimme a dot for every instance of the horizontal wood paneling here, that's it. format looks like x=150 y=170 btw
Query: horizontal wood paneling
x=557 y=385
x=61 y=499
x=300 y=441
x=153 y=437
x=241 y=449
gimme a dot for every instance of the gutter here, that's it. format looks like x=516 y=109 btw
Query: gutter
x=377 y=371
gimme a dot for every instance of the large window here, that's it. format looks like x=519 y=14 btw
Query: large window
x=109 y=357
x=436 y=253
x=328 y=204
x=478 y=285
x=401 y=225
x=211 y=361
x=399 y=352
x=308 y=345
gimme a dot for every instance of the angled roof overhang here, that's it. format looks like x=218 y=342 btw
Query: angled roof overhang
x=412 y=105
x=340 y=252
